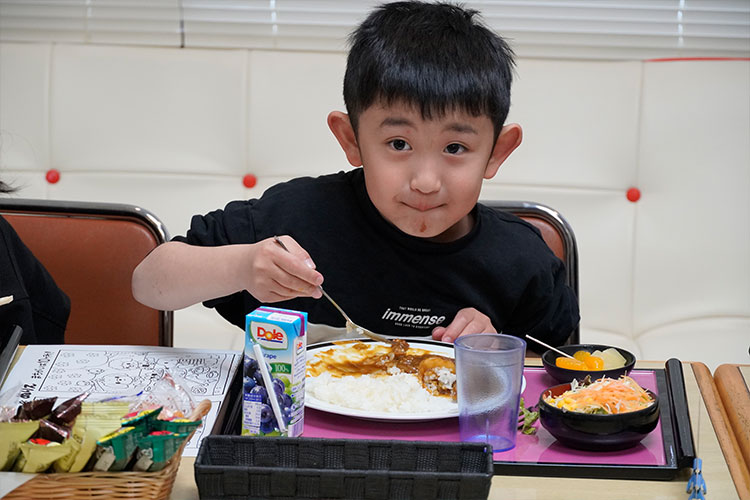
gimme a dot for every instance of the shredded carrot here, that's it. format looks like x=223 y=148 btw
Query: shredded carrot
x=605 y=396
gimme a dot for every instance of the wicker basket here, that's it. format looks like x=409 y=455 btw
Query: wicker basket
x=106 y=485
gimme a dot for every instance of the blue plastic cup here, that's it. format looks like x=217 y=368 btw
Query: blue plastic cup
x=489 y=373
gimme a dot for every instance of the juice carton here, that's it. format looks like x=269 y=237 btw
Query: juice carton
x=281 y=335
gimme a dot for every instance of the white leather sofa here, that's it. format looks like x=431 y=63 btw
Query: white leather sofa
x=177 y=130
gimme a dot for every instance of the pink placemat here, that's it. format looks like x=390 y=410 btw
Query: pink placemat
x=538 y=448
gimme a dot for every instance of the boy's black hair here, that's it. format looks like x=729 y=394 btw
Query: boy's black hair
x=6 y=188
x=435 y=56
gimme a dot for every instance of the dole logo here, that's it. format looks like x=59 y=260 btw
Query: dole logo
x=269 y=335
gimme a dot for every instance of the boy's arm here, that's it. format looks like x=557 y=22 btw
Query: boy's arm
x=176 y=275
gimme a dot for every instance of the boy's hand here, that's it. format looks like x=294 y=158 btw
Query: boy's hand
x=467 y=321
x=276 y=274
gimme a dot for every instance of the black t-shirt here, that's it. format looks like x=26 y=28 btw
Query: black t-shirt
x=39 y=306
x=391 y=282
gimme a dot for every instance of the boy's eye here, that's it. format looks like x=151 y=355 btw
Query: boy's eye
x=400 y=145
x=454 y=148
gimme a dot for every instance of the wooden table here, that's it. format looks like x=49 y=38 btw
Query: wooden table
x=723 y=476
x=714 y=429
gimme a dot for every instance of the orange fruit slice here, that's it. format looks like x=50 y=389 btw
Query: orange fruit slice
x=570 y=364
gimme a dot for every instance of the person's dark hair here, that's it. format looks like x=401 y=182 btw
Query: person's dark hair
x=435 y=56
x=6 y=188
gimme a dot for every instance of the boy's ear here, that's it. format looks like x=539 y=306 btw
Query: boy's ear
x=509 y=139
x=341 y=127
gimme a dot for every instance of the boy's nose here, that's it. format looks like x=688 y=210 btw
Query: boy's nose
x=425 y=179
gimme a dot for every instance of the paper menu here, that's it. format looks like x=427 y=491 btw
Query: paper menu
x=104 y=371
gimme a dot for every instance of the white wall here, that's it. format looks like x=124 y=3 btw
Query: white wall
x=175 y=131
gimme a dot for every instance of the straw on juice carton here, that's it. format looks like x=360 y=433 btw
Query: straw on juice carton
x=278 y=335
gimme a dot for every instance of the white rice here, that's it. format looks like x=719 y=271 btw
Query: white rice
x=397 y=393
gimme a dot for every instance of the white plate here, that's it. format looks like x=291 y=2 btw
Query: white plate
x=441 y=348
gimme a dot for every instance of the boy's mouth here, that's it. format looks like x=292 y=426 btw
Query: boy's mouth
x=423 y=207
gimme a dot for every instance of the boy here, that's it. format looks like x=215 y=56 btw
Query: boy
x=404 y=247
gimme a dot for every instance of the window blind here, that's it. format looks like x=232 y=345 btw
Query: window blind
x=603 y=29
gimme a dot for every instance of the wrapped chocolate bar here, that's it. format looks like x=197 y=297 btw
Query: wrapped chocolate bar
x=155 y=450
x=38 y=454
x=66 y=412
x=12 y=434
x=52 y=432
x=114 y=451
x=35 y=409
x=95 y=421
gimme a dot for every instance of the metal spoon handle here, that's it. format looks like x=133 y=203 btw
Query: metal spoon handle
x=558 y=351
x=335 y=305
x=349 y=322
x=280 y=243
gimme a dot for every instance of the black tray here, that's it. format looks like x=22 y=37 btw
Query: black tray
x=248 y=467
x=677 y=439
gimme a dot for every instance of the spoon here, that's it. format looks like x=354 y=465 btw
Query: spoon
x=350 y=325
x=558 y=351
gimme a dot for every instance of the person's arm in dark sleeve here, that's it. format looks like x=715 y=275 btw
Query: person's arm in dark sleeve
x=213 y=264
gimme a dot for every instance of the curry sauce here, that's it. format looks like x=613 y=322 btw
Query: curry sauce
x=354 y=358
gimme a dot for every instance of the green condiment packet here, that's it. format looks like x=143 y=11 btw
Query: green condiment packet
x=155 y=450
x=114 y=451
x=143 y=420
x=177 y=425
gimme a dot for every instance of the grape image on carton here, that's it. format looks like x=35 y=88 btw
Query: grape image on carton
x=281 y=336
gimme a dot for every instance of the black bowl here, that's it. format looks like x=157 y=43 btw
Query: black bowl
x=566 y=375
x=597 y=432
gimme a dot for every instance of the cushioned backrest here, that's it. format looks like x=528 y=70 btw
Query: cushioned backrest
x=550 y=233
x=92 y=259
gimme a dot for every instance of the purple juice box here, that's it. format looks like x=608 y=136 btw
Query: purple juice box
x=281 y=336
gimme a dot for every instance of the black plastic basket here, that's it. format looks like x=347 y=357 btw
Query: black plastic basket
x=247 y=467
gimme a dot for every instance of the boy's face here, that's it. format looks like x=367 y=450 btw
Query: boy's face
x=424 y=176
